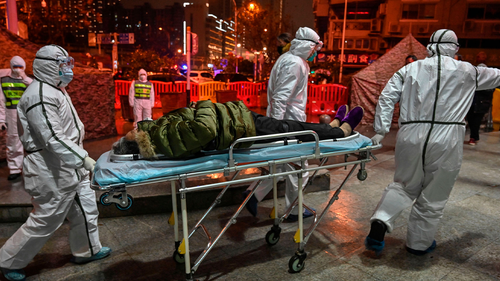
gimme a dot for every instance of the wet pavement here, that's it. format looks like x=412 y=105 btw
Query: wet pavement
x=468 y=241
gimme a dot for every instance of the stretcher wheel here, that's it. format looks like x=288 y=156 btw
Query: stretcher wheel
x=296 y=264
x=362 y=175
x=104 y=199
x=123 y=208
x=272 y=237
x=178 y=258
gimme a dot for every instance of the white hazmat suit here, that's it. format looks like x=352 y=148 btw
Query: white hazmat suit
x=141 y=97
x=12 y=88
x=287 y=98
x=434 y=95
x=54 y=173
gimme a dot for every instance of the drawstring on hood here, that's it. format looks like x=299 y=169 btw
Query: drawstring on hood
x=443 y=42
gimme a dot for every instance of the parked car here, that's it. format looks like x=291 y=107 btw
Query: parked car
x=167 y=77
x=201 y=76
x=232 y=77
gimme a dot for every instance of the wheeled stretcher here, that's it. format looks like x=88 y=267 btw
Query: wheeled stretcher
x=114 y=173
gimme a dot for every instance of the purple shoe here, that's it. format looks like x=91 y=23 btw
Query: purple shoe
x=354 y=117
x=341 y=112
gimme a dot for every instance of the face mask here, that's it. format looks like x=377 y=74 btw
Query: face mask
x=66 y=75
x=17 y=72
x=142 y=77
x=313 y=56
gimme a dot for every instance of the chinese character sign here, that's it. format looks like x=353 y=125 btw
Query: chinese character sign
x=357 y=59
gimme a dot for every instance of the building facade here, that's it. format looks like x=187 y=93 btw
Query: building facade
x=374 y=27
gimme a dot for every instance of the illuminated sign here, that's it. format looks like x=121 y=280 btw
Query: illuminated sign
x=360 y=59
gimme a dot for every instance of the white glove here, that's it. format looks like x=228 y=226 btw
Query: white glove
x=376 y=139
x=89 y=164
x=3 y=127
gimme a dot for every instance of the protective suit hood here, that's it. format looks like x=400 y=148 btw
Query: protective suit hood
x=142 y=71
x=16 y=61
x=46 y=66
x=305 y=42
x=443 y=42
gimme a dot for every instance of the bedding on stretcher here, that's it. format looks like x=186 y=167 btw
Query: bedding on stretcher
x=112 y=172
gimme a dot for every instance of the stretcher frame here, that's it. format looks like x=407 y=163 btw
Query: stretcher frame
x=116 y=193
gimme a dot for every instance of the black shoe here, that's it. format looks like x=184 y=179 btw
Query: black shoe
x=251 y=204
x=377 y=230
x=12 y=177
x=375 y=239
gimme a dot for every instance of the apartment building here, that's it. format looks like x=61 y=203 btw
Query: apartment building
x=373 y=27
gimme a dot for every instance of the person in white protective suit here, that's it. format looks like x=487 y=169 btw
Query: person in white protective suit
x=55 y=170
x=13 y=87
x=141 y=97
x=434 y=95
x=287 y=98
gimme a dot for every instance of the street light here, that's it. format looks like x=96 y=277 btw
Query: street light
x=239 y=47
x=235 y=29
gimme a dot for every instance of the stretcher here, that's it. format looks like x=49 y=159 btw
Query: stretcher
x=114 y=173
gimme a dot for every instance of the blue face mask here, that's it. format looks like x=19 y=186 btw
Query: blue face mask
x=66 y=75
x=313 y=56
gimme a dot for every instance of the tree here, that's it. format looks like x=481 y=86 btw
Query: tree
x=148 y=60
x=260 y=27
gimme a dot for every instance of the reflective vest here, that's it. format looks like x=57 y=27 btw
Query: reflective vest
x=13 y=89
x=142 y=89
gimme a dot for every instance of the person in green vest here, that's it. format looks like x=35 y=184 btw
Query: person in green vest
x=141 y=97
x=13 y=87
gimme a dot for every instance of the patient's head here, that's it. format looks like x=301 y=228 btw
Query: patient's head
x=124 y=146
x=135 y=142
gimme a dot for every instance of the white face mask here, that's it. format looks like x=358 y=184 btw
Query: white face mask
x=17 y=72
x=142 y=77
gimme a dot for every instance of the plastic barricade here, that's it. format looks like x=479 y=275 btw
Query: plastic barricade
x=326 y=98
x=206 y=91
x=263 y=98
x=127 y=110
x=248 y=92
x=181 y=86
x=172 y=101
x=121 y=89
x=223 y=96
x=162 y=87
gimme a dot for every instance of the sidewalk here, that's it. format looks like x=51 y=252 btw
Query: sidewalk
x=468 y=240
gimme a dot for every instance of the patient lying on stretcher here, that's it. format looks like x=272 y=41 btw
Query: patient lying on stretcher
x=215 y=126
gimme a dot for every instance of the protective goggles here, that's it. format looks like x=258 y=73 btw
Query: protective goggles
x=319 y=44
x=63 y=61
